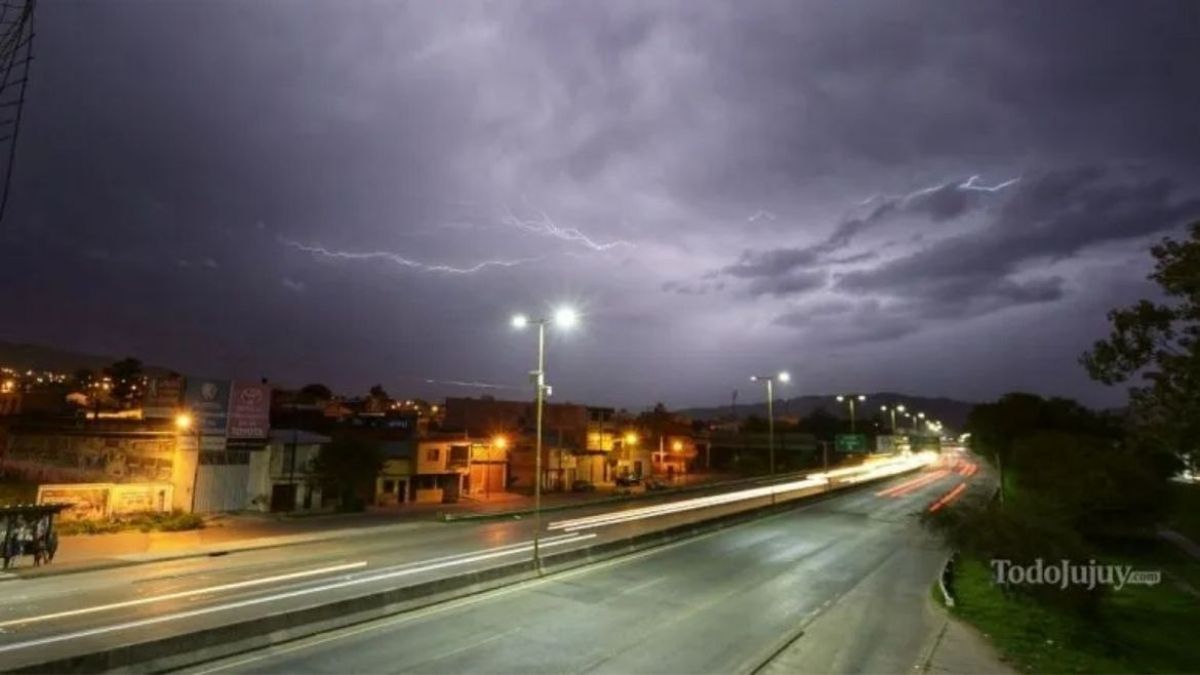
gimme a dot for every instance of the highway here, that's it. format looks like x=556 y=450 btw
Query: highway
x=839 y=585
x=78 y=613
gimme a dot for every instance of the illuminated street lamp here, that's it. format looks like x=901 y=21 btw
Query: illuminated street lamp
x=564 y=318
x=893 y=409
x=851 y=399
x=185 y=422
x=770 y=380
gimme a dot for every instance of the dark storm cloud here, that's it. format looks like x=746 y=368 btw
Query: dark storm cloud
x=1051 y=216
x=776 y=272
x=630 y=148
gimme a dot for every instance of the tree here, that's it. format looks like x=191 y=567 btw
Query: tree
x=316 y=392
x=1160 y=342
x=348 y=468
x=125 y=374
x=821 y=424
x=378 y=399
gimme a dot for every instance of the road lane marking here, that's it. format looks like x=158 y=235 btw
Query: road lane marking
x=428 y=611
x=279 y=596
x=184 y=594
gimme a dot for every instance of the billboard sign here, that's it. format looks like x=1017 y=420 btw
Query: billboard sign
x=163 y=397
x=249 y=410
x=86 y=501
x=208 y=402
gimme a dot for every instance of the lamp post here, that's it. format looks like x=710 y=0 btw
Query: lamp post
x=892 y=410
x=627 y=449
x=784 y=378
x=184 y=422
x=564 y=318
x=851 y=398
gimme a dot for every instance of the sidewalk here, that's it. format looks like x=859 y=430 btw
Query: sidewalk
x=959 y=648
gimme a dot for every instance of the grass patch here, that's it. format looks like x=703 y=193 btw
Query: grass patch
x=1139 y=629
x=175 y=521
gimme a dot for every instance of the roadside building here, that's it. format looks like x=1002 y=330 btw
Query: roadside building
x=560 y=467
x=102 y=468
x=290 y=482
x=392 y=487
x=453 y=465
x=441 y=468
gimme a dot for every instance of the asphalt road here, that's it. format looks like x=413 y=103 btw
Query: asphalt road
x=840 y=585
x=43 y=618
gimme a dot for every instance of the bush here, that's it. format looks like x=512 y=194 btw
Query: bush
x=1022 y=532
x=174 y=521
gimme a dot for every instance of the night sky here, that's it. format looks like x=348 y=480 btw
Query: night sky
x=940 y=198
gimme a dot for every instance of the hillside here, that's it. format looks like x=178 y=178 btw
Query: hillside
x=40 y=357
x=951 y=412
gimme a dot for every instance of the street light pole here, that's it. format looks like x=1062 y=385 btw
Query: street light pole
x=771 y=426
x=892 y=410
x=851 y=398
x=770 y=382
x=537 y=462
x=564 y=318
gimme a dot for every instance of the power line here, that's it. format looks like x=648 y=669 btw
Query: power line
x=16 y=54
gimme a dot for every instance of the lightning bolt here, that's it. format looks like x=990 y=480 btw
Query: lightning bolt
x=402 y=261
x=545 y=226
x=474 y=385
x=972 y=185
x=969 y=184
x=761 y=215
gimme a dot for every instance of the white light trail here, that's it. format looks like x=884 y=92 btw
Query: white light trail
x=615 y=517
x=437 y=563
x=402 y=261
x=854 y=474
x=545 y=226
x=184 y=594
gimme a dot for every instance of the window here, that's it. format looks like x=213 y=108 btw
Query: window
x=389 y=486
x=433 y=455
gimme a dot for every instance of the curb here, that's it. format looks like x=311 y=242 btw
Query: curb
x=209 y=644
x=946 y=580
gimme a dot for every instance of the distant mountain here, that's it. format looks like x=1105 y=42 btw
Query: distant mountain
x=40 y=357
x=951 y=412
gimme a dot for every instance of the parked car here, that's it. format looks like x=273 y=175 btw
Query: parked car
x=582 y=486
x=628 y=480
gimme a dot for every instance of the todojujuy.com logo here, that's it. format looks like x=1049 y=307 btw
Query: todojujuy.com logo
x=1063 y=573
